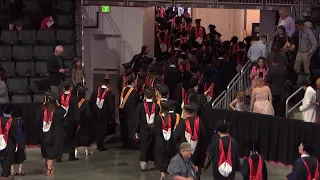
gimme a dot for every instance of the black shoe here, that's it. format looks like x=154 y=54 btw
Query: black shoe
x=73 y=159
x=59 y=160
x=102 y=149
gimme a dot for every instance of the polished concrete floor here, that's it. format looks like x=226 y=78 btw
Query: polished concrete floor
x=114 y=164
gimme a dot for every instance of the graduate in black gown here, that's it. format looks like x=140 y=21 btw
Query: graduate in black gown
x=172 y=78
x=102 y=105
x=69 y=103
x=141 y=84
x=223 y=153
x=145 y=116
x=307 y=166
x=192 y=131
x=8 y=126
x=85 y=130
x=20 y=155
x=122 y=79
x=254 y=166
x=129 y=99
x=164 y=127
x=51 y=121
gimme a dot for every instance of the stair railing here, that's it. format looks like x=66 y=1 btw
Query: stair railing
x=289 y=110
x=239 y=83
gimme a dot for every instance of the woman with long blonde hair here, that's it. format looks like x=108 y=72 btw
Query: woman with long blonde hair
x=261 y=98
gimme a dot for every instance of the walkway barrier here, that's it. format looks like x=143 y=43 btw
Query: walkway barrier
x=239 y=83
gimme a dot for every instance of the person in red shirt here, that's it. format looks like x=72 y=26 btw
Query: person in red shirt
x=45 y=23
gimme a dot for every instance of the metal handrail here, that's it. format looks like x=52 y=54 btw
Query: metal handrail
x=218 y=98
x=288 y=99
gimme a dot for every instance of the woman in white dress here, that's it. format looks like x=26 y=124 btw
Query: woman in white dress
x=261 y=98
x=308 y=108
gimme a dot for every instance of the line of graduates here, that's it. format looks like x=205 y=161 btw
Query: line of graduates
x=68 y=121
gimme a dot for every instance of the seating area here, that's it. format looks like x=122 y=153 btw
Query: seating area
x=24 y=54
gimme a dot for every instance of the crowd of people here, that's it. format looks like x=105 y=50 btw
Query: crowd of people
x=159 y=100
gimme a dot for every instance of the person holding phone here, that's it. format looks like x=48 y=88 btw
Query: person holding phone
x=260 y=70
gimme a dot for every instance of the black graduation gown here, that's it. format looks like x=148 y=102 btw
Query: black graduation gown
x=198 y=156
x=214 y=156
x=172 y=78
x=126 y=116
x=164 y=150
x=145 y=131
x=20 y=154
x=71 y=120
x=104 y=118
x=51 y=141
x=7 y=154
x=299 y=171
x=245 y=168
x=85 y=131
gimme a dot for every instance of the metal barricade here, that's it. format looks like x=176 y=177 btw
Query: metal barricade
x=289 y=110
x=239 y=83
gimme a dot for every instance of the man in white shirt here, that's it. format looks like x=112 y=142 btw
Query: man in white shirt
x=258 y=49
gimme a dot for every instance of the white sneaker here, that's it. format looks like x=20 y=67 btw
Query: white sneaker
x=88 y=152
x=76 y=153
x=143 y=165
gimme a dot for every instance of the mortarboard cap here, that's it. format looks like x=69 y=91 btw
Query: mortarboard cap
x=212 y=27
x=193 y=83
x=192 y=107
x=167 y=104
x=130 y=77
x=163 y=89
x=83 y=89
x=188 y=20
x=105 y=81
x=51 y=96
x=222 y=126
x=149 y=92
x=127 y=65
x=197 y=20
x=241 y=45
x=178 y=20
x=183 y=56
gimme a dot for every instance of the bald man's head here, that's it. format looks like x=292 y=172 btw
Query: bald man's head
x=58 y=51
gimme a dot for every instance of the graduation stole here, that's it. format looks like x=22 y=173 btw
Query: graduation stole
x=163 y=43
x=198 y=32
x=206 y=87
x=47 y=121
x=150 y=115
x=81 y=102
x=124 y=99
x=4 y=133
x=316 y=174
x=177 y=121
x=185 y=97
x=100 y=98
x=255 y=174
x=65 y=103
x=166 y=128
x=192 y=138
x=225 y=161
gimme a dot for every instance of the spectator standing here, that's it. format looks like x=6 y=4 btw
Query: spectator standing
x=281 y=37
x=16 y=14
x=277 y=53
x=258 y=49
x=307 y=45
x=78 y=74
x=180 y=166
x=260 y=70
x=308 y=108
x=287 y=21
x=56 y=69
x=276 y=78
x=4 y=98
x=261 y=98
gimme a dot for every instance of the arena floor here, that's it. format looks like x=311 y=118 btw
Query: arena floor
x=114 y=164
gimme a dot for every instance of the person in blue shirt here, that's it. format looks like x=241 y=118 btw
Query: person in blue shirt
x=20 y=154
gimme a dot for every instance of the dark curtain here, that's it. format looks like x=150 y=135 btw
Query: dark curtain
x=279 y=137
